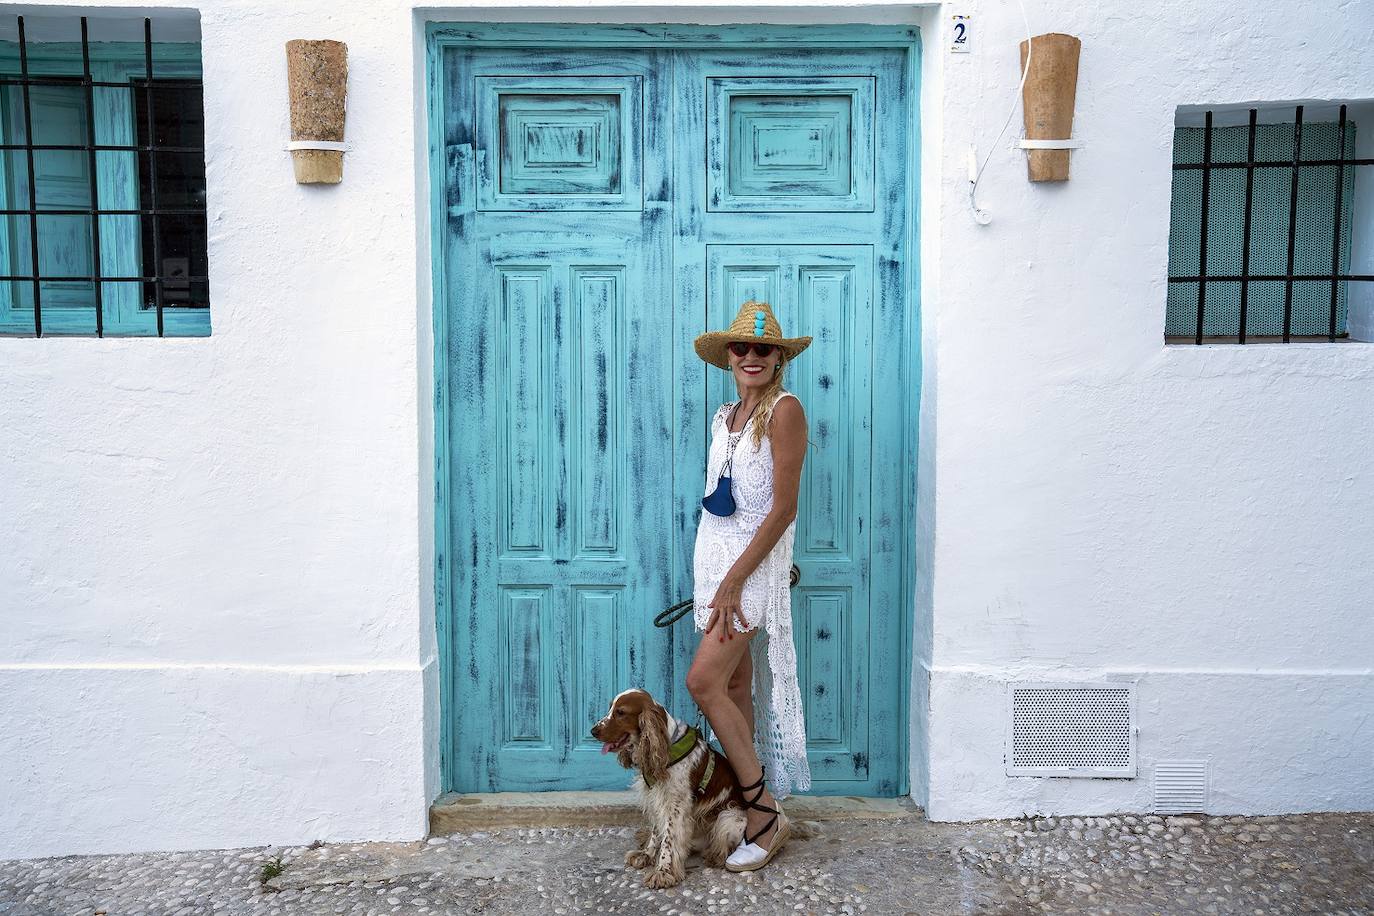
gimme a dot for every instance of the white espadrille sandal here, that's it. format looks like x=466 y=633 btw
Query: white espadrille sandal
x=748 y=855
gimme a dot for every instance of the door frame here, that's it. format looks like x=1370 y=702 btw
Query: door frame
x=439 y=36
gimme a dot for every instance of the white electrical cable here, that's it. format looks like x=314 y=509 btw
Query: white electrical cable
x=980 y=216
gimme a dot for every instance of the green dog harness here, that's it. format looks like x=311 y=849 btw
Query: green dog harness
x=678 y=751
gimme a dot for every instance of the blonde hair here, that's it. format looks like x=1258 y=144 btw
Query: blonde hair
x=771 y=392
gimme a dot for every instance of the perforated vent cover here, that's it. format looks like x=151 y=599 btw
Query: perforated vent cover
x=1071 y=730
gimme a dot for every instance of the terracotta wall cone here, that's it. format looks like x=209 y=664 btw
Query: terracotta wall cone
x=1047 y=102
x=317 y=81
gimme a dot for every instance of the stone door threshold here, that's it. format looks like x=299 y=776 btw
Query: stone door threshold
x=456 y=811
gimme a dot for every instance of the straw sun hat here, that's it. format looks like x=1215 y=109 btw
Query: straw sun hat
x=755 y=323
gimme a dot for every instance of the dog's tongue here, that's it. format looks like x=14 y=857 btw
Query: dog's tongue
x=605 y=747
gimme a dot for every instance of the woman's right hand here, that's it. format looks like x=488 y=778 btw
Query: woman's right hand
x=725 y=608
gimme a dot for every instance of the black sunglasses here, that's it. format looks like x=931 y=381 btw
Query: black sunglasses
x=741 y=349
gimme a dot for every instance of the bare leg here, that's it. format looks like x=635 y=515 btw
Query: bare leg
x=741 y=689
x=707 y=682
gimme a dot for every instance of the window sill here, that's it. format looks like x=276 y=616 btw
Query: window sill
x=1230 y=340
x=71 y=323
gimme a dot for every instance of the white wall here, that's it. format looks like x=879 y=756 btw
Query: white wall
x=1198 y=518
x=214 y=630
x=217 y=621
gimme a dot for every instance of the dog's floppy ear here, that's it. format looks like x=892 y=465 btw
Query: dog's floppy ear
x=651 y=750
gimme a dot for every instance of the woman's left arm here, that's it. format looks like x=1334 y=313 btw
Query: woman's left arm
x=787 y=433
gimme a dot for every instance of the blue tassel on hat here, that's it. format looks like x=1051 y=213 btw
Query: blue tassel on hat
x=758 y=324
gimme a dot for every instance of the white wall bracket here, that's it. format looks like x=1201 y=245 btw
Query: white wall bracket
x=317 y=144
x=1023 y=143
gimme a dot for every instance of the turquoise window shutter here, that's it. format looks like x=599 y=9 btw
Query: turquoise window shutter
x=112 y=113
x=61 y=182
x=1269 y=220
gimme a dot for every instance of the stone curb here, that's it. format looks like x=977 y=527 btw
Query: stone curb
x=454 y=812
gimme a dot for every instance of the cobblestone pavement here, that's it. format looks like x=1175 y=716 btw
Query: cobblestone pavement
x=1126 y=865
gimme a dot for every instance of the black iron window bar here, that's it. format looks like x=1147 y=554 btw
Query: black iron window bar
x=94 y=211
x=1335 y=277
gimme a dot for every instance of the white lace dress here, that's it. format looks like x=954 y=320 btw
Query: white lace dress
x=766 y=600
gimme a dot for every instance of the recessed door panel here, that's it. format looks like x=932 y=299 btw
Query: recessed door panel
x=598 y=657
x=559 y=142
x=524 y=443
x=598 y=317
x=526 y=616
x=795 y=144
x=826 y=664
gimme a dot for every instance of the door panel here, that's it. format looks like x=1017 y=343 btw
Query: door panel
x=802 y=202
x=559 y=143
x=605 y=207
x=558 y=554
x=789 y=144
x=555 y=252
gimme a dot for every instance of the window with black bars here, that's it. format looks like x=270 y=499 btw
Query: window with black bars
x=102 y=190
x=1260 y=228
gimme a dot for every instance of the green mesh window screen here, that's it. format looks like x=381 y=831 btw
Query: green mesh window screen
x=1290 y=279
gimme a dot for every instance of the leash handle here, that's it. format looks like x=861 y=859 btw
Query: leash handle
x=671 y=615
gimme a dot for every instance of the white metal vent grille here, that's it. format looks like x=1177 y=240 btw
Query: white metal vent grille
x=1071 y=730
x=1180 y=786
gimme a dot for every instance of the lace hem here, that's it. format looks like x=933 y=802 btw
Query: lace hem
x=766 y=603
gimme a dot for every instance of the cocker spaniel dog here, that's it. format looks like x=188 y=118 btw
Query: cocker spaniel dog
x=688 y=789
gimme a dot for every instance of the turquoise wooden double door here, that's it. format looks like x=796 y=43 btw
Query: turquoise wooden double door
x=603 y=207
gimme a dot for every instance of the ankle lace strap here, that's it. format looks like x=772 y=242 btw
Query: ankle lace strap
x=764 y=829
x=754 y=802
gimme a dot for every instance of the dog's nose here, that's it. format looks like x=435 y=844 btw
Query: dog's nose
x=596 y=728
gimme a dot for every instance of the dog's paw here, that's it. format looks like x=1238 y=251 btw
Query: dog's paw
x=661 y=879
x=712 y=859
x=642 y=837
x=637 y=858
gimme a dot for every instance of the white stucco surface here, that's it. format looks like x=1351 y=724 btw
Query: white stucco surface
x=213 y=629
x=216 y=613
x=1198 y=518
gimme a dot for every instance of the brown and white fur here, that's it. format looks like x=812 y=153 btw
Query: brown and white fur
x=639 y=731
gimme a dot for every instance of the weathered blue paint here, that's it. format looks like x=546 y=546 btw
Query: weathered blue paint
x=794 y=144
x=906 y=360
x=581 y=242
x=552 y=144
x=62 y=181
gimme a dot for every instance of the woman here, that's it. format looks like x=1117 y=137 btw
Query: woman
x=741 y=566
